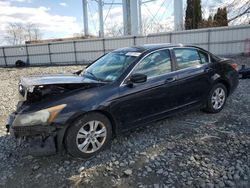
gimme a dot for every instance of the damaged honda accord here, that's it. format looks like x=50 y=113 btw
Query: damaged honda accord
x=121 y=90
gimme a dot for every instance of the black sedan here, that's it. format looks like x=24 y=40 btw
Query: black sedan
x=121 y=90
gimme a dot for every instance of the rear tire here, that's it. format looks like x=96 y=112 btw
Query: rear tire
x=216 y=99
x=88 y=135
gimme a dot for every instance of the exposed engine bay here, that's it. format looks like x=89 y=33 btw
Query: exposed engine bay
x=43 y=91
x=37 y=88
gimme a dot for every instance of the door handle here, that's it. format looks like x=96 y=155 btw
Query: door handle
x=172 y=79
x=208 y=69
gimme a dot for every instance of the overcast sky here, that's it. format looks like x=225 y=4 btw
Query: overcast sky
x=63 y=18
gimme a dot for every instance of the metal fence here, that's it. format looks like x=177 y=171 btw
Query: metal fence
x=221 y=41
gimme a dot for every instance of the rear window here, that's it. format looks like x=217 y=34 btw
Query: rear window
x=204 y=57
x=187 y=57
x=214 y=58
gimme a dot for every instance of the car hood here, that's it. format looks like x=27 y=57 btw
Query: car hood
x=50 y=79
x=53 y=79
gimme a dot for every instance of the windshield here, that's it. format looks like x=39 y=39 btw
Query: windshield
x=111 y=66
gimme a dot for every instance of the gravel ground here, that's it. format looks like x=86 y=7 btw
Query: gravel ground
x=191 y=149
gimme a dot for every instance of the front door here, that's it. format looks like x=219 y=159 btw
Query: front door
x=146 y=101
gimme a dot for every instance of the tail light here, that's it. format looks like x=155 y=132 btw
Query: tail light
x=234 y=66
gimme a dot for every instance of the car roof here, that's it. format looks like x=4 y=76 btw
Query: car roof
x=147 y=47
x=151 y=47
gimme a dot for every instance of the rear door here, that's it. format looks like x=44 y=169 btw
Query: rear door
x=194 y=73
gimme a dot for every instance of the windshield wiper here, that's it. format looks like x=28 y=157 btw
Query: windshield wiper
x=78 y=72
x=98 y=79
x=93 y=75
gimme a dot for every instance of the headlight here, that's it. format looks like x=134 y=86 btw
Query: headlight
x=21 y=90
x=42 y=117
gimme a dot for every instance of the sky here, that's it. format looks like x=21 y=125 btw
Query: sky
x=63 y=18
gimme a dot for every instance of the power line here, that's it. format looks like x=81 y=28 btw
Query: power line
x=164 y=12
x=159 y=10
x=154 y=17
x=109 y=10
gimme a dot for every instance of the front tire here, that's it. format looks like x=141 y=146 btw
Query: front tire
x=88 y=135
x=216 y=99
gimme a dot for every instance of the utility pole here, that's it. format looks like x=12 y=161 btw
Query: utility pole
x=101 y=27
x=134 y=17
x=85 y=17
x=131 y=17
x=140 y=16
x=126 y=15
x=178 y=15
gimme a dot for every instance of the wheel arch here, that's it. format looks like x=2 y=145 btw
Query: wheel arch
x=62 y=132
x=226 y=84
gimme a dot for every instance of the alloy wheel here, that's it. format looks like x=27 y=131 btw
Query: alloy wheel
x=91 y=136
x=218 y=98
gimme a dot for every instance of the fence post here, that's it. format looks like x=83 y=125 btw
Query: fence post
x=50 y=61
x=27 y=54
x=74 y=43
x=170 y=37
x=208 y=39
x=4 y=57
x=103 y=45
x=134 y=40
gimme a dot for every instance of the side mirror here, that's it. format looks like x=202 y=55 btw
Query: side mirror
x=138 y=78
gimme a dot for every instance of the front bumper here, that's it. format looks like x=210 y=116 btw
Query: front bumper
x=10 y=121
x=31 y=131
x=23 y=131
x=42 y=139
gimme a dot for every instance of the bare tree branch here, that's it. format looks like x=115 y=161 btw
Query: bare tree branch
x=238 y=10
x=17 y=33
x=239 y=15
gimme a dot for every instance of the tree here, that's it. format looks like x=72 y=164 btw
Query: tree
x=220 y=18
x=32 y=32
x=13 y=33
x=18 y=33
x=238 y=10
x=193 y=14
x=113 y=30
x=207 y=23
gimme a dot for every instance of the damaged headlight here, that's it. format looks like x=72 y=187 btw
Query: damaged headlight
x=21 y=89
x=42 y=117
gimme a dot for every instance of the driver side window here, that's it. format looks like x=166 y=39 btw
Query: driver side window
x=155 y=64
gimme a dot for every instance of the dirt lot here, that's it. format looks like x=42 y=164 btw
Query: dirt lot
x=192 y=149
